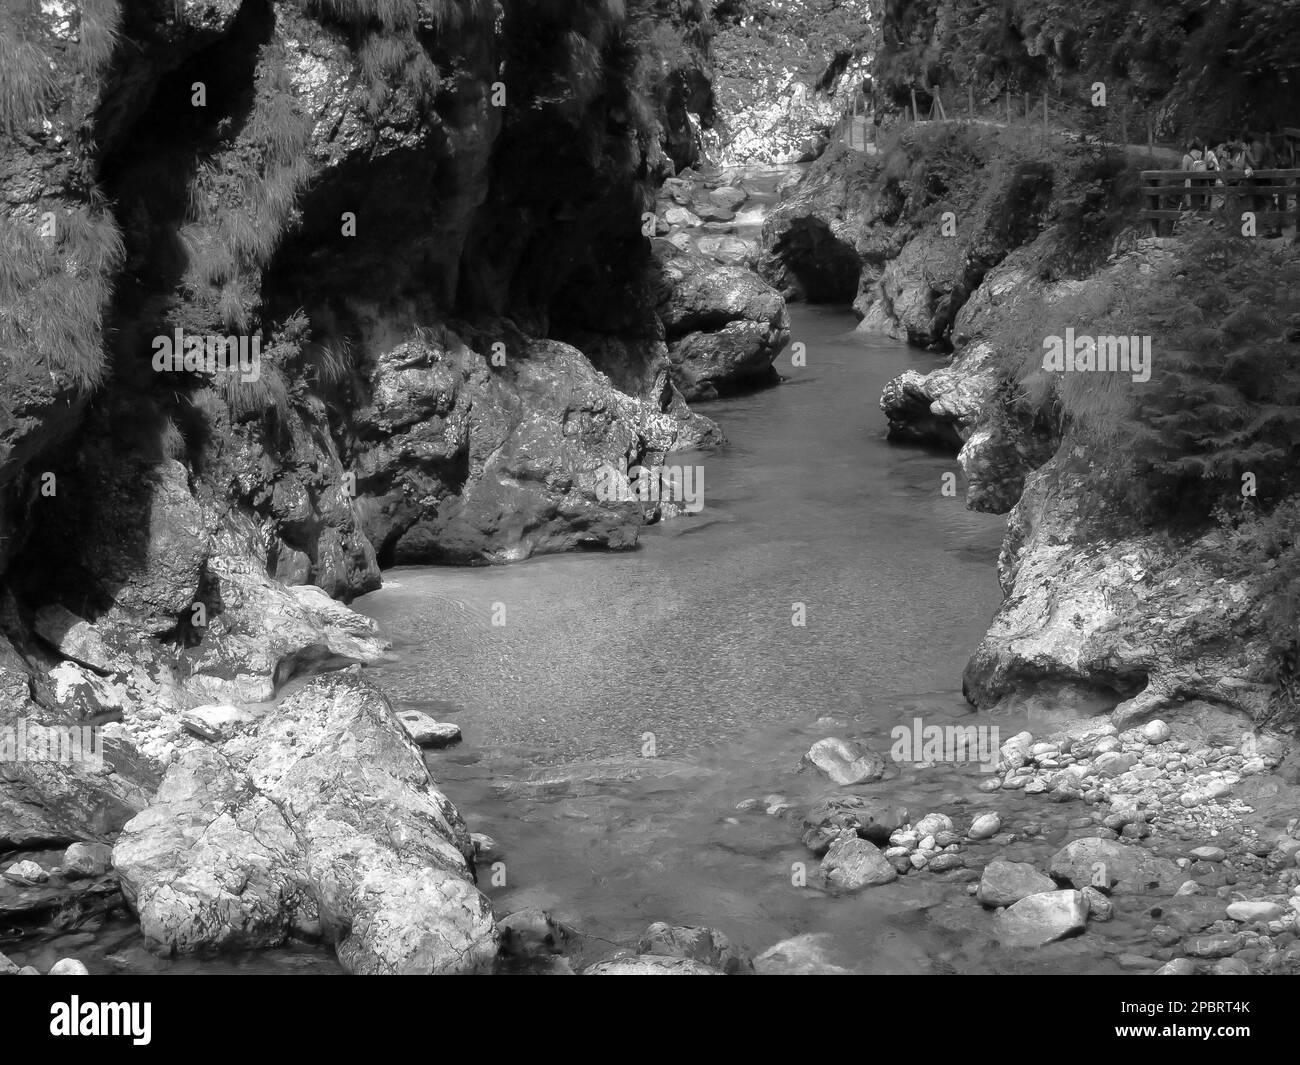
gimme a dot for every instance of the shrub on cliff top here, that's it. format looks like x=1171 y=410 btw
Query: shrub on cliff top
x=1222 y=407
x=1265 y=549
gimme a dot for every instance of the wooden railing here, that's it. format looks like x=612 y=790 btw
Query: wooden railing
x=1272 y=195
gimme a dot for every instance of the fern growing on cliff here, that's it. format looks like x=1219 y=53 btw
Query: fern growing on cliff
x=27 y=75
x=55 y=285
x=97 y=34
x=242 y=201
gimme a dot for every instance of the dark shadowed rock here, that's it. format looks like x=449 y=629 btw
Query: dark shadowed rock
x=1124 y=868
x=534 y=933
x=724 y=325
x=704 y=945
x=872 y=819
x=509 y=458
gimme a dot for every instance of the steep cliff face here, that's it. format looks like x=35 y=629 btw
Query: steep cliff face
x=329 y=182
x=785 y=72
x=290 y=291
x=1134 y=622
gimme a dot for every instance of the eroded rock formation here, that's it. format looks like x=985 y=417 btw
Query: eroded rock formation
x=320 y=822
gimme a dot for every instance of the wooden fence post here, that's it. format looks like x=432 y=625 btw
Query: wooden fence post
x=916 y=111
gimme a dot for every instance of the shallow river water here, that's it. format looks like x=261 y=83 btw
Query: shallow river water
x=630 y=701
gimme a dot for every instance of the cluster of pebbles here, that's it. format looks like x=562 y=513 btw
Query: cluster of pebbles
x=1165 y=833
x=1236 y=905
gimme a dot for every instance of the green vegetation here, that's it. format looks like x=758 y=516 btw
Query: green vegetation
x=1263 y=548
x=53 y=293
x=996 y=178
x=241 y=203
x=389 y=14
x=1223 y=400
x=97 y=34
x=27 y=75
x=1193 y=66
x=1205 y=455
x=391 y=62
x=30 y=73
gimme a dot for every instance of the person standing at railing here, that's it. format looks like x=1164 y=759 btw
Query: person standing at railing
x=1239 y=161
x=1265 y=158
x=1214 y=162
x=1193 y=162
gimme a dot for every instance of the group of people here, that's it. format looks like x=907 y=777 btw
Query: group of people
x=1242 y=157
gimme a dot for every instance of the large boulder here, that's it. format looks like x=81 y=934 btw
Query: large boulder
x=1144 y=624
x=323 y=820
x=135 y=530
x=1097 y=862
x=724 y=325
x=45 y=802
x=845 y=762
x=651 y=965
x=62 y=781
x=1004 y=883
x=706 y=946
x=1042 y=918
x=852 y=863
x=267 y=633
x=462 y=460
x=256 y=635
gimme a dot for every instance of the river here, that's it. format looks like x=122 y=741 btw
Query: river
x=624 y=704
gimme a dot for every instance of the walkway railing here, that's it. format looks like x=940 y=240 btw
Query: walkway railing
x=1273 y=196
